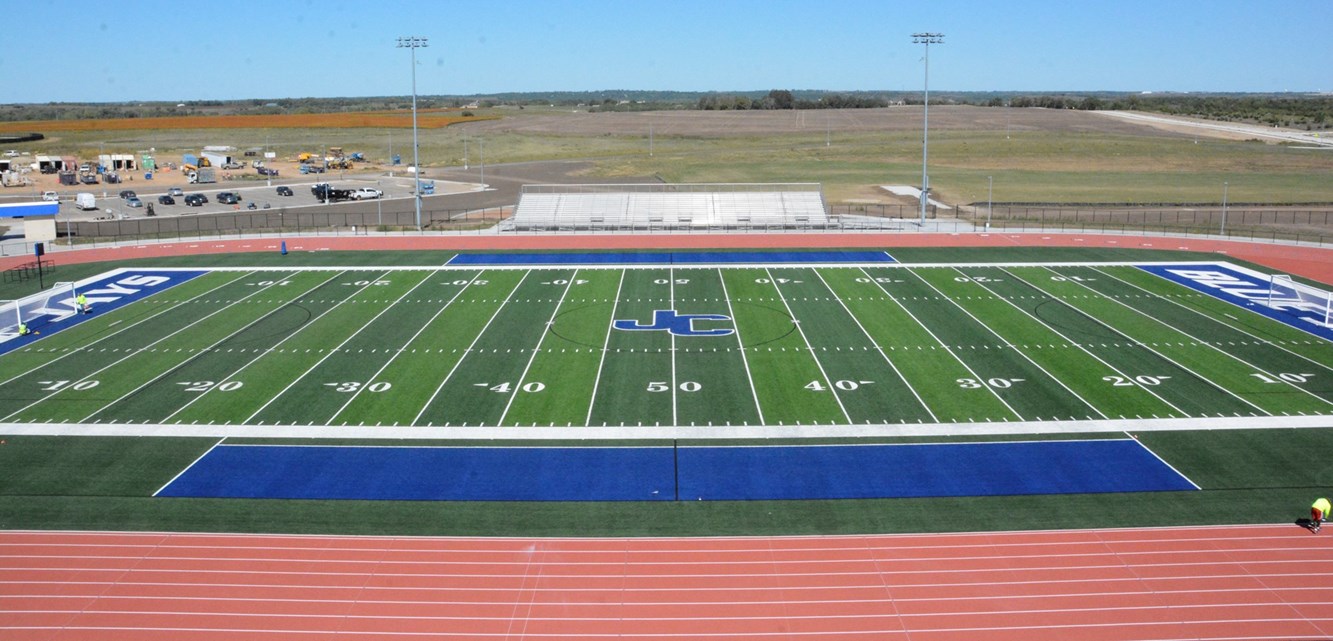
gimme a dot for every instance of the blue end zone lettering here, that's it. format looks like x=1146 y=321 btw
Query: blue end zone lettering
x=104 y=294
x=1251 y=290
x=674 y=258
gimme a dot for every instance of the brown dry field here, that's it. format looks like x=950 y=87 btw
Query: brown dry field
x=763 y=123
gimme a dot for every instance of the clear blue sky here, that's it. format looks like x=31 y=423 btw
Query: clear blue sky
x=76 y=50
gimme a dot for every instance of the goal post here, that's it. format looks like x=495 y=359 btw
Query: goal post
x=39 y=309
x=1285 y=294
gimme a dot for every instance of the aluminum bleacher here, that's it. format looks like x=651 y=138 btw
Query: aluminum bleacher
x=666 y=206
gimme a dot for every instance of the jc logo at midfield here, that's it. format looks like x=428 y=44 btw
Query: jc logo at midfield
x=678 y=324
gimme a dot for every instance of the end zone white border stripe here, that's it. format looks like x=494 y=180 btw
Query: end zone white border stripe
x=187 y=467
x=1172 y=467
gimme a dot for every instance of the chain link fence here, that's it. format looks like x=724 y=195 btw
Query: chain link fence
x=1308 y=225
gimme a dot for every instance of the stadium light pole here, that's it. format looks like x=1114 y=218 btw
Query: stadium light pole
x=927 y=39
x=414 y=43
x=1223 y=231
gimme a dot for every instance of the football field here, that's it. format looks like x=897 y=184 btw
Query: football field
x=659 y=351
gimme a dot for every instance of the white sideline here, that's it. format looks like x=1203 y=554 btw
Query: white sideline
x=666 y=431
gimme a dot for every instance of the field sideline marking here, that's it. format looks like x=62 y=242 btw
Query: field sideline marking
x=946 y=348
x=1219 y=349
x=536 y=349
x=1020 y=352
x=76 y=350
x=827 y=381
x=252 y=361
x=187 y=467
x=878 y=347
x=1154 y=454
x=1072 y=341
x=1138 y=312
x=848 y=430
x=468 y=351
x=334 y=350
x=606 y=347
x=745 y=361
x=205 y=350
x=471 y=281
x=139 y=350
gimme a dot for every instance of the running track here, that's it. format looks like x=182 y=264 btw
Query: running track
x=1310 y=262
x=1225 y=582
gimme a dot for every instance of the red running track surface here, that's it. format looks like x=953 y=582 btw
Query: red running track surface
x=1310 y=262
x=1223 y=582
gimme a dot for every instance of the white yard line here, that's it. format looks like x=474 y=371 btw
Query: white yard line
x=1076 y=343
x=884 y=430
x=126 y=328
x=372 y=377
x=946 y=348
x=606 y=347
x=1149 y=347
x=536 y=349
x=671 y=304
x=144 y=348
x=827 y=381
x=878 y=348
x=741 y=345
x=467 y=351
x=333 y=351
x=1020 y=352
x=205 y=350
x=1237 y=329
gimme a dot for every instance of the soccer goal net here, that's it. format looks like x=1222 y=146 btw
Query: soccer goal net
x=1300 y=299
x=38 y=310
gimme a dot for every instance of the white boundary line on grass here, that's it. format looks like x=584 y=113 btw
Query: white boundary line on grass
x=440 y=432
x=1172 y=467
x=187 y=467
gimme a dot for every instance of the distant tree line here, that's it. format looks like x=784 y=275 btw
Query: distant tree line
x=784 y=99
x=1307 y=111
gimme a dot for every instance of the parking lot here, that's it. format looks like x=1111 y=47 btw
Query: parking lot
x=251 y=196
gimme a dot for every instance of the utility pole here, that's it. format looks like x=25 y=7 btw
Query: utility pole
x=926 y=39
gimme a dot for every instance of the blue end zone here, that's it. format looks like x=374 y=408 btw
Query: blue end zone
x=104 y=294
x=1247 y=291
x=674 y=258
x=653 y=474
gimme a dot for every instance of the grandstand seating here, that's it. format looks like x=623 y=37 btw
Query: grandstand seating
x=669 y=207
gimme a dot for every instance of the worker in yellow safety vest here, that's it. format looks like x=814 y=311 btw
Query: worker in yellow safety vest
x=1318 y=514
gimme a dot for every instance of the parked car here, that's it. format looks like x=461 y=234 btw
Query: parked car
x=175 y=191
x=365 y=193
x=233 y=165
x=196 y=200
x=88 y=179
x=284 y=190
x=133 y=201
x=86 y=167
x=50 y=196
x=12 y=153
x=127 y=194
x=165 y=200
x=229 y=198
